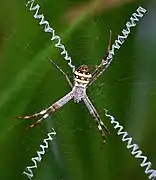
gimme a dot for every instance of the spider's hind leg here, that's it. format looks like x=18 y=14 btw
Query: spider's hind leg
x=100 y=125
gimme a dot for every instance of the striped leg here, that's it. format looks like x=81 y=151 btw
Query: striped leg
x=34 y=115
x=38 y=121
x=51 y=109
x=100 y=125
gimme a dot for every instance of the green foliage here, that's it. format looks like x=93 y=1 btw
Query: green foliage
x=29 y=83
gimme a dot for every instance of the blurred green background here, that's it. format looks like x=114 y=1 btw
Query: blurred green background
x=29 y=83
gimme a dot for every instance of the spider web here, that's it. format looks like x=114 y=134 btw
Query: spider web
x=29 y=83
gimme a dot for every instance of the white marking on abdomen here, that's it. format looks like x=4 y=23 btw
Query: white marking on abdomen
x=84 y=75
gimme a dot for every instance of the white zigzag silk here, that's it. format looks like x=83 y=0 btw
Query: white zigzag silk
x=40 y=153
x=45 y=24
x=125 y=32
x=134 y=147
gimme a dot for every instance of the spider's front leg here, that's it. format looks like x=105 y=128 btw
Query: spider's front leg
x=101 y=67
x=100 y=125
x=64 y=74
x=51 y=109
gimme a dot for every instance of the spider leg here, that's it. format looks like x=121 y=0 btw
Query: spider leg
x=37 y=122
x=51 y=109
x=108 y=49
x=101 y=66
x=34 y=115
x=65 y=75
x=100 y=125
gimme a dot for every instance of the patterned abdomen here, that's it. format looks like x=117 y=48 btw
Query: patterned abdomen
x=82 y=76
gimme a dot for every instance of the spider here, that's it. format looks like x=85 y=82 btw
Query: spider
x=82 y=79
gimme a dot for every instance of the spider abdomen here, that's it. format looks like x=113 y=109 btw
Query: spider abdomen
x=82 y=76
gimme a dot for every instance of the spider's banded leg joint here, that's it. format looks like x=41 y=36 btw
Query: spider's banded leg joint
x=45 y=116
x=43 y=112
x=33 y=125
